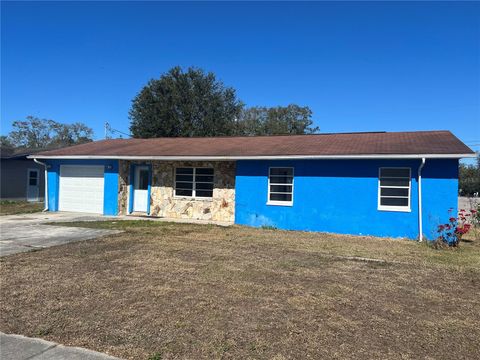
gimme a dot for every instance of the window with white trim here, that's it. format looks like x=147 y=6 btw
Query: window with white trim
x=280 y=186
x=194 y=182
x=394 y=189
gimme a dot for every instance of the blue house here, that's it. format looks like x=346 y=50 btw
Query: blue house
x=399 y=184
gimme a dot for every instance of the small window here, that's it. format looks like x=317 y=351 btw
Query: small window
x=32 y=177
x=194 y=182
x=143 y=179
x=280 y=186
x=394 y=189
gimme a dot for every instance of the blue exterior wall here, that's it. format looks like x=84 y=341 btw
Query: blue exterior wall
x=439 y=194
x=110 y=200
x=341 y=196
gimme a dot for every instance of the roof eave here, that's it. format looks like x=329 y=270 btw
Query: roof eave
x=259 y=157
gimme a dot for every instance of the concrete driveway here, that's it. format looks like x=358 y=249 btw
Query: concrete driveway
x=18 y=347
x=21 y=233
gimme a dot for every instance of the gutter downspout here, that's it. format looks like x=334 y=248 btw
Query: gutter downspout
x=46 y=184
x=420 y=222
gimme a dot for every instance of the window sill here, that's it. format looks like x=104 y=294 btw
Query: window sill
x=394 y=209
x=279 y=203
x=189 y=198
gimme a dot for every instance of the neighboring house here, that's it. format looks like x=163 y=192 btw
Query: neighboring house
x=353 y=183
x=21 y=178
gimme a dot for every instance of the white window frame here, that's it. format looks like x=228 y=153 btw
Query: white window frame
x=28 y=182
x=396 y=207
x=193 y=183
x=277 y=202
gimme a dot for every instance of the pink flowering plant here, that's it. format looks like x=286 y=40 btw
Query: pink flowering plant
x=452 y=232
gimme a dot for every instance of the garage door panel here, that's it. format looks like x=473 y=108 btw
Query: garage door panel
x=81 y=188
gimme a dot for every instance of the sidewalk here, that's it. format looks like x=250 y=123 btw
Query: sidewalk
x=18 y=347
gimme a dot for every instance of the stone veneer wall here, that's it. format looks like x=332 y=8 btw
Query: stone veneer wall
x=162 y=201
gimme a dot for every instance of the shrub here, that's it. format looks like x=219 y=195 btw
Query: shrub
x=268 y=227
x=451 y=233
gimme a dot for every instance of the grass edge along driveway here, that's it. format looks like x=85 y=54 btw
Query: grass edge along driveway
x=8 y=207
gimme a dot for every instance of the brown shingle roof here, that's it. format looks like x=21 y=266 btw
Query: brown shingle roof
x=343 y=144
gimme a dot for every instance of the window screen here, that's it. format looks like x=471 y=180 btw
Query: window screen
x=32 y=178
x=280 y=186
x=194 y=182
x=394 y=189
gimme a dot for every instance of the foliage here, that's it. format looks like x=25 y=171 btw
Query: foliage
x=476 y=216
x=5 y=142
x=289 y=120
x=6 y=146
x=35 y=133
x=469 y=178
x=70 y=134
x=452 y=232
x=32 y=133
x=268 y=227
x=155 y=356
x=184 y=103
x=194 y=103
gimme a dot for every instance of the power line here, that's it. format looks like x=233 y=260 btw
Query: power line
x=109 y=130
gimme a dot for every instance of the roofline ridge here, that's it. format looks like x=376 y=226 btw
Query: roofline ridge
x=284 y=135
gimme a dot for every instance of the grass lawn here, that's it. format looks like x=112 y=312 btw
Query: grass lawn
x=162 y=290
x=8 y=207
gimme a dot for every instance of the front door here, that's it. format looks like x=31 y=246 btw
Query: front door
x=32 y=184
x=140 y=189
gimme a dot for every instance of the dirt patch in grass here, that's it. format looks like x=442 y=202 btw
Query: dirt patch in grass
x=19 y=207
x=192 y=291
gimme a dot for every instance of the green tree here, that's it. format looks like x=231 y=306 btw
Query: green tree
x=184 y=103
x=35 y=133
x=6 y=146
x=280 y=120
x=5 y=142
x=31 y=133
x=469 y=178
x=70 y=134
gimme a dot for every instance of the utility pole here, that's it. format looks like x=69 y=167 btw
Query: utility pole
x=107 y=126
x=109 y=131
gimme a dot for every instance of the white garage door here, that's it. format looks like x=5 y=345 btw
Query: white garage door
x=81 y=188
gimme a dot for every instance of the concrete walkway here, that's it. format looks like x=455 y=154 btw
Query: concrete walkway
x=18 y=347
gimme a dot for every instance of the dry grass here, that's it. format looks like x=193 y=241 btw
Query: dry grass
x=19 y=207
x=191 y=291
